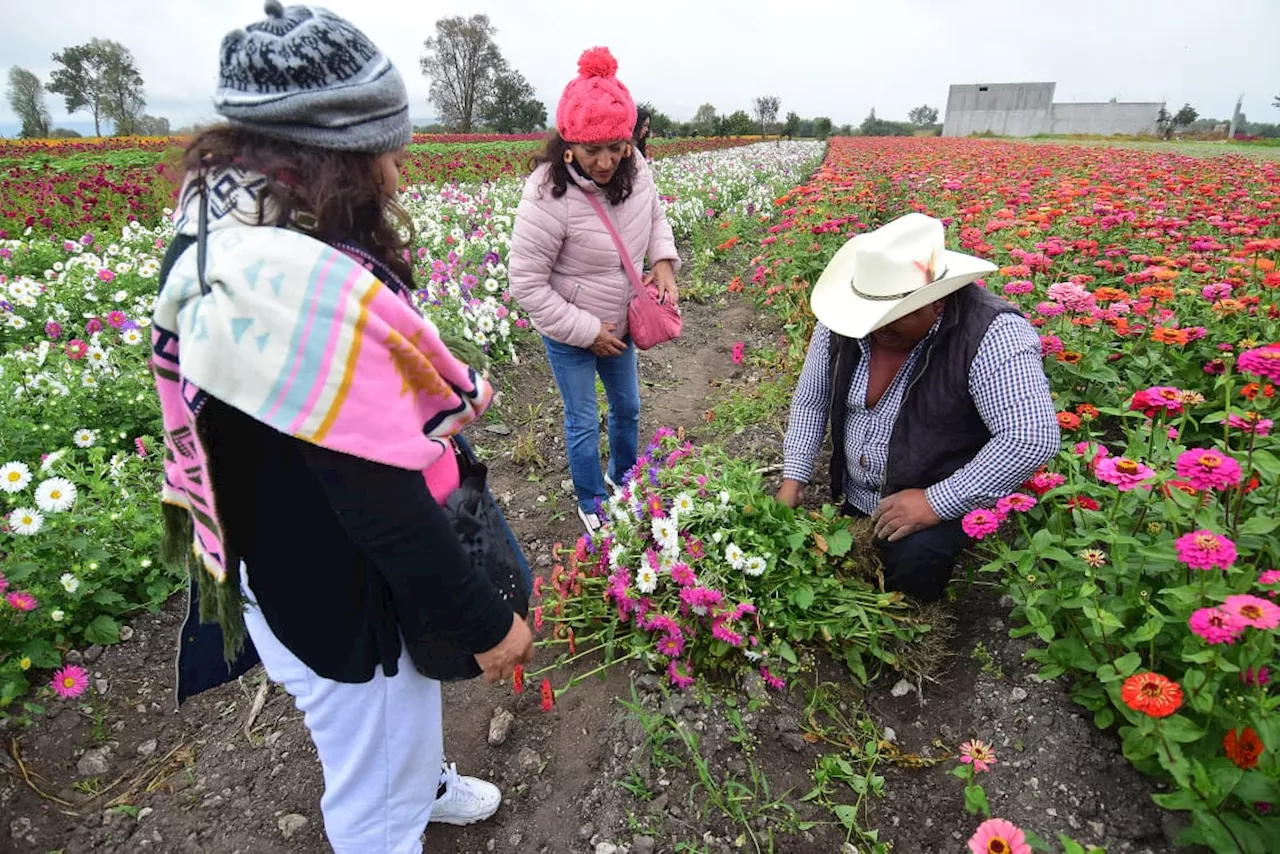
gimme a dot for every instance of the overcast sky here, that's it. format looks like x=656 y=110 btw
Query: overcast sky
x=838 y=58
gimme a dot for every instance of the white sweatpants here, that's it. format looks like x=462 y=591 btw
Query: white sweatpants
x=380 y=744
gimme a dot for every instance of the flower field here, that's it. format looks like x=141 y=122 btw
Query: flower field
x=1144 y=558
x=1144 y=561
x=80 y=531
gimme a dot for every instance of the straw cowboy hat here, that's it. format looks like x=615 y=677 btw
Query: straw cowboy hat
x=883 y=275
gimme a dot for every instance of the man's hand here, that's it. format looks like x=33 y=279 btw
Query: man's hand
x=791 y=493
x=606 y=343
x=516 y=648
x=903 y=514
x=664 y=274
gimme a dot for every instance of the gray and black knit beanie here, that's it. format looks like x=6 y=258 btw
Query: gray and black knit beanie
x=306 y=75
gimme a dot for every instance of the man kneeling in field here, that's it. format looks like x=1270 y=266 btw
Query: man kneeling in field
x=935 y=391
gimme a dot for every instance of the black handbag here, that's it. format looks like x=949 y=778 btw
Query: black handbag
x=487 y=540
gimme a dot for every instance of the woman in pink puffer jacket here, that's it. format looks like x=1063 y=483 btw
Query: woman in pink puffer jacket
x=567 y=275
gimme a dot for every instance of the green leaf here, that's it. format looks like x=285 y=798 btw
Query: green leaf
x=804 y=597
x=41 y=653
x=839 y=542
x=103 y=631
x=847 y=815
x=787 y=653
x=1148 y=631
x=1255 y=787
x=1035 y=841
x=1259 y=525
x=1104 y=718
x=1127 y=664
x=1069 y=845
x=1181 y=729
x=975 y=801
x=1267 y=463
x=1179 y=799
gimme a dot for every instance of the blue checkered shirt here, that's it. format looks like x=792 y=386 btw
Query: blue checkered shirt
x=1009 y=389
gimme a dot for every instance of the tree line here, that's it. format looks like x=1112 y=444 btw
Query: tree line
x=100 y=78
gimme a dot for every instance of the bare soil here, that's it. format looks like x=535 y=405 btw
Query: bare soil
x=196 y=780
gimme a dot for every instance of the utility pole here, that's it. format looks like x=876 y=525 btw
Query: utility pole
x=1235 y=118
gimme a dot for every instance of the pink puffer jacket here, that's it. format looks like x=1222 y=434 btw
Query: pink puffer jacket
x=564 y=269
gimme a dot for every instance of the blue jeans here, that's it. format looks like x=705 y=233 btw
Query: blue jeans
x=575 y=371
x=920 y=564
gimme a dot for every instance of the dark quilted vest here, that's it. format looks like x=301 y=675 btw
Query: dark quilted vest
x=938 y=429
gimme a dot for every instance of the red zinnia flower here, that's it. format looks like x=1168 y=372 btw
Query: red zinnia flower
x=1083 y=502
x=548 y=696
x=1152 y=694
x=517 y=679
x=1068 y=420
x=1243 y=748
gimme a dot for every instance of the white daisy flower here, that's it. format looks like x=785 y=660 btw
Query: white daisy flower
x=132 y=337
x=57 y=615
x=683 y=503
x=754 y=566
x=25 y=521
x=88 y=381
x=85 y=438
x=56 y=495
x=665 y=532
x=16 y=321
x=69 y=582
x=615 y=556
x=717 y=537
x=51 y=459
x=646 y=579
x=734 y=556
x=14 y=477
x=724 y=498
x=146 y=563
x=96 y=356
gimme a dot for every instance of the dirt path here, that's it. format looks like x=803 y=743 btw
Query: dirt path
x=195 y=781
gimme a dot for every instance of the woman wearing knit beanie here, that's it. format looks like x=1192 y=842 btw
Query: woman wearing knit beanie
x=312 y=420
x=567 y=275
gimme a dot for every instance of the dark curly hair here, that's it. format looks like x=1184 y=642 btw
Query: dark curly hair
x=333 y=195
x=617 y=191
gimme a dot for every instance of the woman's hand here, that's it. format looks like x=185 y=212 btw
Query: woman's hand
x=516 y=648
x=664 y=274
x=606 y=343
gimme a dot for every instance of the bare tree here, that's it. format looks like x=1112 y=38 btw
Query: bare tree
x=766 y=109
x=462 y=62
x=26 y=98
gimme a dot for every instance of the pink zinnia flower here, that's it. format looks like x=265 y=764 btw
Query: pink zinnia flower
x=681 y=674
x=1022 y=286
x=106 y=275
x=739 y=352
x=1261 y=362
x=1254 y=611
x=997 y=836
x=21 y=601
x=981 y=522
x=53 y=329
x=1045 y=481
x=117 y=319
x=1049 y=309
x=1018 y=502
x=1260 y=676
x=1123 y=473
x=1254 y=424
x=1208 y=469
x=671 y=645
x=141 y=446
x=977 y=753
x=1215 y=625
x=774 y=682
x=725 y=635
x=681 y=574
x=1271 y=576
x=1205 y=550
x=69 y=682
x=94 y=325
x=76 y=349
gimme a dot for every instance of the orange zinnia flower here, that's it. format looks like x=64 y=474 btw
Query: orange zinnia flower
x=1087 y=410
x=1071 y=357
x=1152 y=694
x=1243 y=748
x=1109 y=294
x=1068 y=420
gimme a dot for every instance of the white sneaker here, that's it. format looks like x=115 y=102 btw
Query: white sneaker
x=466 y=800
x=608 y=481
x=590 y=520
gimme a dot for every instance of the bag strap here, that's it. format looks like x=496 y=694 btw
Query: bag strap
x=632 y=273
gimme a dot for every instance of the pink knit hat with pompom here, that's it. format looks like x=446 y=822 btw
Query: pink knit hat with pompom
x=595 y=106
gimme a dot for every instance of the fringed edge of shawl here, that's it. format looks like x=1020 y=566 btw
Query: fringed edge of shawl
x=219 y=602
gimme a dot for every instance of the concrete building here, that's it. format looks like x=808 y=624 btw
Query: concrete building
x=1028 y=109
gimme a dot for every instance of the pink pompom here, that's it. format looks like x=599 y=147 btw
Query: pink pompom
x=597 y=62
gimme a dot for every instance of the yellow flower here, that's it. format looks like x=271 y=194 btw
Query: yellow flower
x=25 y=663
x=1094 y=557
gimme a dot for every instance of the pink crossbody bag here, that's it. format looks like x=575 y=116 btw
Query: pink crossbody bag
x=651 y=322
